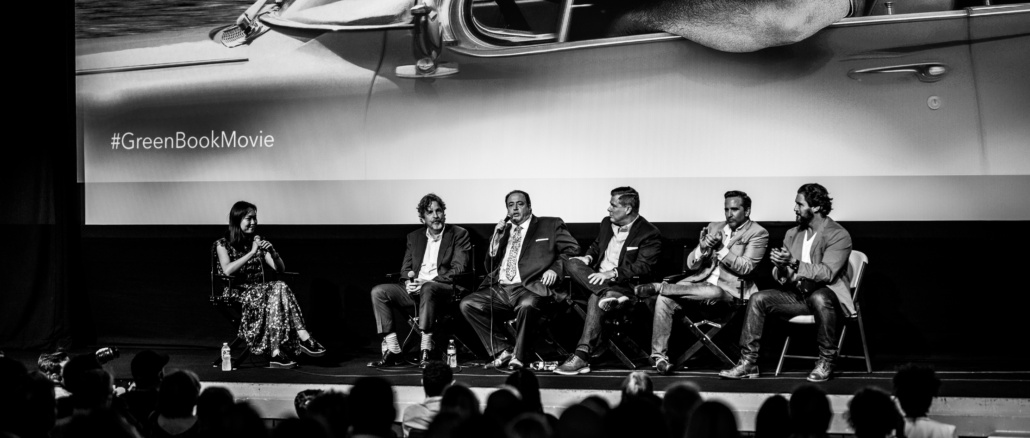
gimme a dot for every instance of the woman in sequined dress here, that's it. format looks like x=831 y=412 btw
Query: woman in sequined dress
x=271 y=322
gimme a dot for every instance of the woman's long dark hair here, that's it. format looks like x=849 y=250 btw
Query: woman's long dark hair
x=235 y=234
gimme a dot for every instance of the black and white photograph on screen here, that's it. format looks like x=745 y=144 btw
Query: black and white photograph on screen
x=250 y=234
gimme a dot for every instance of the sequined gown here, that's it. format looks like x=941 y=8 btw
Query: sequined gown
x=271 y=316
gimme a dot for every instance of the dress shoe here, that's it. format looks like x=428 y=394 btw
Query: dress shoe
x=500 y=361
x=572 y=366
x=281 y=360
x=390 y=359
x=424 y=358
x=514 y=364
x=663 y=366
x=647 y=290
x=822 y=371
x=743 y=370
x=312 y=348
x=611 y=300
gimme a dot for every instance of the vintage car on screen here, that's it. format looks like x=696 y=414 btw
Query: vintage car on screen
x=913 y=87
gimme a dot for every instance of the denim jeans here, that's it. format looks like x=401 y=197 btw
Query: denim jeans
x=786 y=304
x=673 y=297
x=580 y=273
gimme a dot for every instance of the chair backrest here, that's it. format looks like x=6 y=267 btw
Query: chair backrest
x=856 y=270
x=219 y=281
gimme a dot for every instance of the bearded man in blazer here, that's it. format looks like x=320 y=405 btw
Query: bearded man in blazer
x=434 y=256
x=527 y=256
x=812 y=269
x=727 y=253
x=626 y=246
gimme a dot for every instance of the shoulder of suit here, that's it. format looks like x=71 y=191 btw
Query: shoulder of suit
x=758 y=228
x=417 y=232
x=646 y=223
x=457 y=230
x=832 y=226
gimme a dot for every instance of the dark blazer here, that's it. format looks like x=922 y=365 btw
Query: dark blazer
x=639 y=253
x=547 y=245
x=453 y=258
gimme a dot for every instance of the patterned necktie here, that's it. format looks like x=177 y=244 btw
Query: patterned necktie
x=513 y=254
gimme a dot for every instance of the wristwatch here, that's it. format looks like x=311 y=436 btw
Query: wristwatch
x=795 y=265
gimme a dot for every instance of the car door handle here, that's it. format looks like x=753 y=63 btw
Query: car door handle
x=925 y=72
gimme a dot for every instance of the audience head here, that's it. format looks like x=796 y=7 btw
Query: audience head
x=503 y=405
x=915 y=386
x=580 y=421
x=872 y=413
x=460 y=400
x=529 y=425
x=712 y=419
x=100 y=422
x=371 y=406
x=636 y=415
x=637 y=383
x=214 y=402
x=679 y=403
x=477 y=426
x=597 y=404
x=12 y=375
x=28 y=405
x=303 y=399
x=51 y=364
x=810 y=412
x=178 y=394
x=435 y=377
x=148 y=368
x=94 y=389
x=74 y=369
x=773 y=419
x=300 y=428
x=241 y=421
x=330 y=408
x=443 y=425
x=525 y=381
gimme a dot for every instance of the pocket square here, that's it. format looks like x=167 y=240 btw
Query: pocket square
x=541 y=240
x=632 y=248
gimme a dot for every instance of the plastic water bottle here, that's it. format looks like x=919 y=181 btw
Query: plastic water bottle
x=226 y=357
x=452 y=355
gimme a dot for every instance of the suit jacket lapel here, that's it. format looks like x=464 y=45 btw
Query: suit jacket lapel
x=445 y=246
x=530 y=233
x=634 y=232
x=418 y=252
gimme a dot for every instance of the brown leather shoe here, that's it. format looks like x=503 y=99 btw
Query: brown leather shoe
x=647 y=290
x=743 y=370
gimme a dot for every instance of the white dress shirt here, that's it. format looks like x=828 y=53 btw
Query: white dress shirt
x=429 y=271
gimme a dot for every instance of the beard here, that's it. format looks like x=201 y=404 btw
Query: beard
x=802 y=220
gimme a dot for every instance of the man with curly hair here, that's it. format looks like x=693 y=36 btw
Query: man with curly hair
x=811 y=268
x=435 y=255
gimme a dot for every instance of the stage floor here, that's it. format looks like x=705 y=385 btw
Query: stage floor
x=981 y=397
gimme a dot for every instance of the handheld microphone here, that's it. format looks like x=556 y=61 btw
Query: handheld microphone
x=260 y=251
x=411 y=276
x=507 y=224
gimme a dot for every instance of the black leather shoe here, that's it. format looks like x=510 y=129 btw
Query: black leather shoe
x=646 y=290
x=390 y=359
x=312 y=348
x=281 y=361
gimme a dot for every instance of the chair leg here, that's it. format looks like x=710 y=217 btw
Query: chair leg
x=865 y=347
x=631 y=346
x=783 y=355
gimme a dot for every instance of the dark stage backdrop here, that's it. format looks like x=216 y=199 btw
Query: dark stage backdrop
x=932 y=289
